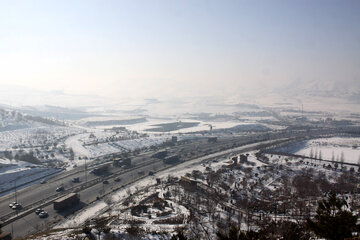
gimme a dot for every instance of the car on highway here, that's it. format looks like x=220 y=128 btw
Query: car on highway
x=17 y=206
x=43 y=181
x=105 y=182
x=117 y=179
x=39 y=210
x=75 y=180
x=12 y=204
x=60 y=189
x=43 y=214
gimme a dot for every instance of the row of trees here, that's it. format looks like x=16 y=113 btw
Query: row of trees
x=318 y=154
x=22 y=156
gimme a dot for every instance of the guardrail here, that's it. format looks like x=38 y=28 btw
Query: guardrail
x=34 y=180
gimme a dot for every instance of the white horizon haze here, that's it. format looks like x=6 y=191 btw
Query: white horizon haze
x=177 y=49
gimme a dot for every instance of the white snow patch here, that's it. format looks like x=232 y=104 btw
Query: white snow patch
x=88 y=213
x=335 y=148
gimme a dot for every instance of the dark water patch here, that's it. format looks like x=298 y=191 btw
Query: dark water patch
x=173 y=126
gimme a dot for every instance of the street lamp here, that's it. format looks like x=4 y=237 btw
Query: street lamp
x=85 y=171
x=15 y=190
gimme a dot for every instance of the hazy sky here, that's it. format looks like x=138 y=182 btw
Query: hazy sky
x=166 y=48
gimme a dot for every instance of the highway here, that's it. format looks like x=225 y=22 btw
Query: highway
x=32 y=223
x=42 y=195
x=30 y=195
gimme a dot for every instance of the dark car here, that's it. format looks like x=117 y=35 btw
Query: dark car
x=75 y=180
x=43 y=214
x=60 y=189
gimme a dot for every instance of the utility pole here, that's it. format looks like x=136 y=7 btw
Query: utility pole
x=85 y=171
x=15 y=191
x=275 y=206
x=248 y=218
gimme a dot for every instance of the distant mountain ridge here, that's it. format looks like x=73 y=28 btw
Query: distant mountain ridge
x=341 y=89
x=12 y=120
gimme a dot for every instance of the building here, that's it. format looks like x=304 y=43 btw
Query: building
x=243 y=158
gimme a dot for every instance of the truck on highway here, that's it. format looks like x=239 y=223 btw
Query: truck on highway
x=118 y=162
x=171 y=159
x=160 y=154
x=66 y=201
x=103 y=170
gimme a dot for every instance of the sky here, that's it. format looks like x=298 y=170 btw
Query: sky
x=161 y=49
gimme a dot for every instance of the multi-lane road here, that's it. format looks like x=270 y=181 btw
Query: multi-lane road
x=41 y=195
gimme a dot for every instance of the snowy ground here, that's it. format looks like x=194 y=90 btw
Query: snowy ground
x=33 y=136
x=77 y=146
x=336 y=148
x=202 y=126
x=144 y=127
x=100 y=149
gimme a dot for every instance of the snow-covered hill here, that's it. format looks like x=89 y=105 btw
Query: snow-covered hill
x=13 y=120
x=348 y=90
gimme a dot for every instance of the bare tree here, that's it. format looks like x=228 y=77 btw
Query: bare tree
x=212 y=177
x=342 y=159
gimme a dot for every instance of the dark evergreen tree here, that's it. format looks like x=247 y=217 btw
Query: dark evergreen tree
x=86 y=228
x=235 y=234
x=179 y=235
x=332 y=221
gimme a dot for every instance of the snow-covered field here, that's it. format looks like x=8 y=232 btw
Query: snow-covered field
x=96 y=150
x=202 y=126
x=335 y=148
x=34 y=136
x=76 y=145
x=150 y=123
